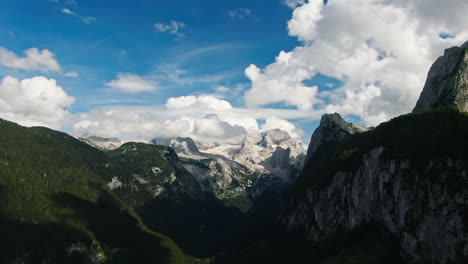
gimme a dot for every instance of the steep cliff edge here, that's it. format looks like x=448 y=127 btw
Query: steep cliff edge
x=409 y=175
x=447 y=81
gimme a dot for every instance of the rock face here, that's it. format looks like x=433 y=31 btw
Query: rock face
x=185 y=147
x=428 y=217
x=223 y=178
x=101 y=143
x=258 y=152
x=447 y=81
x=332 y=128
x=416 y=192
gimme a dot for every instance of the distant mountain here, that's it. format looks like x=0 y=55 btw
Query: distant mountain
x=238 y=174
x=257 y=152
x=101 y=143
x=184 y=147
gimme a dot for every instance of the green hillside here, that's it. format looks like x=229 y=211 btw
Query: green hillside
x=55 y=206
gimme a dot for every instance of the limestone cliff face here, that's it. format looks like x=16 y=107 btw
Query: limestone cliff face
x=409 y=176
x=447 y=81
x=428 y=217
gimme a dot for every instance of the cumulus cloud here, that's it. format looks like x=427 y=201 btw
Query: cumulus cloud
x=381 y=51
x=206 y=119
x=84 y=19
x=202 y=102
x=173 y=27
x=33 y=102
x=33 y=59
x=274 y=122
x=276 y=83
x=131 y=83
x=211 y=129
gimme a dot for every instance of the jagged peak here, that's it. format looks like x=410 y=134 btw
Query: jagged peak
x=447 y=81
x=185 y=146
x=332 y=127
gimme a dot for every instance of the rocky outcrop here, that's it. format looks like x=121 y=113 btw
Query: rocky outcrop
x=222 y=178
x=183 y=146
x=279 y=163
x=427 y=217
x=101 y=143
x=447 y=81
x=332 y=128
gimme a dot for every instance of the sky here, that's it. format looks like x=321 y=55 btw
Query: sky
x=216 y=70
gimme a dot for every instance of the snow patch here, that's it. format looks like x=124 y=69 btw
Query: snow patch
x=156 y=170
x=139 y=179
x=114 y=184
x=158 y=191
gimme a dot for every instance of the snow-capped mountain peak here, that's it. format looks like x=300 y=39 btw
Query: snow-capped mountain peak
x=257 y=151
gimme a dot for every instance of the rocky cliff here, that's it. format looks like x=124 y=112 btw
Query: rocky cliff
x=428 y=217
x=447 y=81
x=408 y=176
x=332 y=128
x=184 y=147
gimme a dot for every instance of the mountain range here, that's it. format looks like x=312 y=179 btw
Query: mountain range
x=395 y=193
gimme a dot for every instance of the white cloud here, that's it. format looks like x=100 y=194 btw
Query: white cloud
x=380 y=49
x=72 y=74
x=202 y=102
x=173 y=27
x=33 y=102
x=235 y=90
x=84 y=19
x=206 y=119
x=277 y=83
x=34 y=59
x=211 y=129
x=68 y=11
x=131 y=83
x=274 y=122
x=294 y=3
x=241 y=13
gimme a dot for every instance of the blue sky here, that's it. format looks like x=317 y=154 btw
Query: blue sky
x=123 y=39
x=159 y=68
